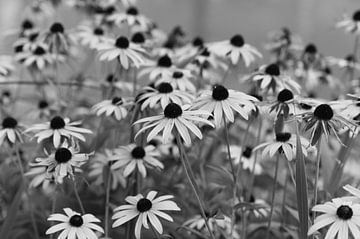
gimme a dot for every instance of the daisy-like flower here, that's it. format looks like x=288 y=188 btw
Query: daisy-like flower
x=10 y=131
x=269 y=78
x=58 y=127
x=164 y=94
x=176 y=116
x=162 y=69
x=40 y=177
x=62 y=162
x=116 y=107
x=57 y=39
x=74 y=225
x=246 y=156
x=221 y=101
x=39 y=57
x=283 y=103
x=235 y=49
x=190 y=50
x=6 y=65
x=180 y=79
x=132 y=156
x=147 y=209
x=30 y=42
x=131 y=18
x=350 y=24
x=343 y=216
x=349 y=62
x=101 y=162
x=284 y=143
x=324 y=120
x=91 y=36
x=123 y=50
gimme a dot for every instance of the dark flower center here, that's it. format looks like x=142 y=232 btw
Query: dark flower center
x=172 y=111
x=350 y=58
x=57 y=123
x=39 y=51
x=164 y=61
x=109 y=10
x=122 y=42
x=9 y=123
x=19 y=48
x=132 y=11
x=247 y=152
x=344 y=212
x=327 y=70
x=76 y=221
x=273 y=70
x=62 y=155
x=138 y=38
x=143 y=205
x=43 y=104
x=110 y=78
x=33 y=36
x=323 y=112
x=27 y=24
x=237 y=41
x=98 y=31
x=283 y=137
x=57 y=27
x=165 y=88
x=116 y=101
x=356 y=16
x=198 y=42
x=311 y=49
x=220 y=93
x=205 y=52
x=138 y=152
x=178 y=75
x=285 y=95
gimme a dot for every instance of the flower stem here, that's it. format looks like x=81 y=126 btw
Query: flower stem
x=318 y=159
x=191 y=179
x=252 y=175
x=107 y=202
x=78 y=197
x=273 y=196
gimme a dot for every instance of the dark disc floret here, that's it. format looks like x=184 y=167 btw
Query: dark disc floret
x=138 y=38
x=283 y=137
x=311 y=49
x=273 y=70
x=57 y=27
x=165 y=88
x=62 y=155
x=116 y=100
x=220 y=93
x=57 y=123
x=144 y=205
x=76 y=221
x=9 y=123
x=237 y=40
x=172 y=111
x=110 y=78
x=39 y=51
x=344 y=212
x=356 y=16
x=323 y=112
x=98 y=31
x=43 y=104
x=205 y=52
x=164 y=61
x=350 y=58
x=122 y=42
x=178 y=75
x=32 y=37
x=132 y=11
x=27 y=24
x=285 y=95
x=19 y=48
x=138 y=152
x=198 y=42
x=247 y=152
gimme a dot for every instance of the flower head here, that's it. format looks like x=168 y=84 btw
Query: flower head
x=350 y=24
x=10 y=131
x=116 y=106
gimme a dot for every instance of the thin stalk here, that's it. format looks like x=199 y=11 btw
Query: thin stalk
x=243 y=223
x=78 y=197
x=191 y=179
x=273 y=196
x=284 y=200
x=252 y=176
x=318 y=159
x=53 y=208
x=107 y=202
x=352 y=72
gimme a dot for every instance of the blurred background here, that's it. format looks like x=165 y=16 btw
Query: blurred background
x=214 y=20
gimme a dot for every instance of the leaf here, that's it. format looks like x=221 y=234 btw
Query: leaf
x=11 y=214
x=301 y=190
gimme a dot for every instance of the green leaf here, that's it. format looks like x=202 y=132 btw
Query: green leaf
x=301 y=190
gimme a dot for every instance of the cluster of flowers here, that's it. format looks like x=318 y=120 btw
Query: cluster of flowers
x=184 y=97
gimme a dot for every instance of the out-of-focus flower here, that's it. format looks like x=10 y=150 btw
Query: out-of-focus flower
x=39 y=57
x=246 y=156
x=164 y=68
x=10 y=131
x=131 y=18
x=116 y=106
x=58 y=40
x=6 y=65
x=350 y=24
x=180 y=79
x=91 y=36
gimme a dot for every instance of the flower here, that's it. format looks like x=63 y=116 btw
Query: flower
x=350 y=24
x=131 y=18
x=285 y=143
x=133 y=156
x=246 y=156
x=116 y=107
x=58 y=127
x=10 y=131
x=40 y=177
x=349 y=62
x=234 y=49
x=6 y=65
x=163 y=94
x=343 y=216
x=123 y=50
x=180 y=79
x=74 y=225
x=39 y=57
x=163 y=68
x=147 y=209
x=91 y=36
x=221 y=101
x=62 y=162
x=57 y=39
x=174 y=116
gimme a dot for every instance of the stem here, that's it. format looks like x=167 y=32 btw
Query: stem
x=273 y=196
x=191 y=179
x=78 y=197
x=352 y=72
x=53 y=208
x=318 y=158
x=107 y=202
x=252 y=179
x=243 y=223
